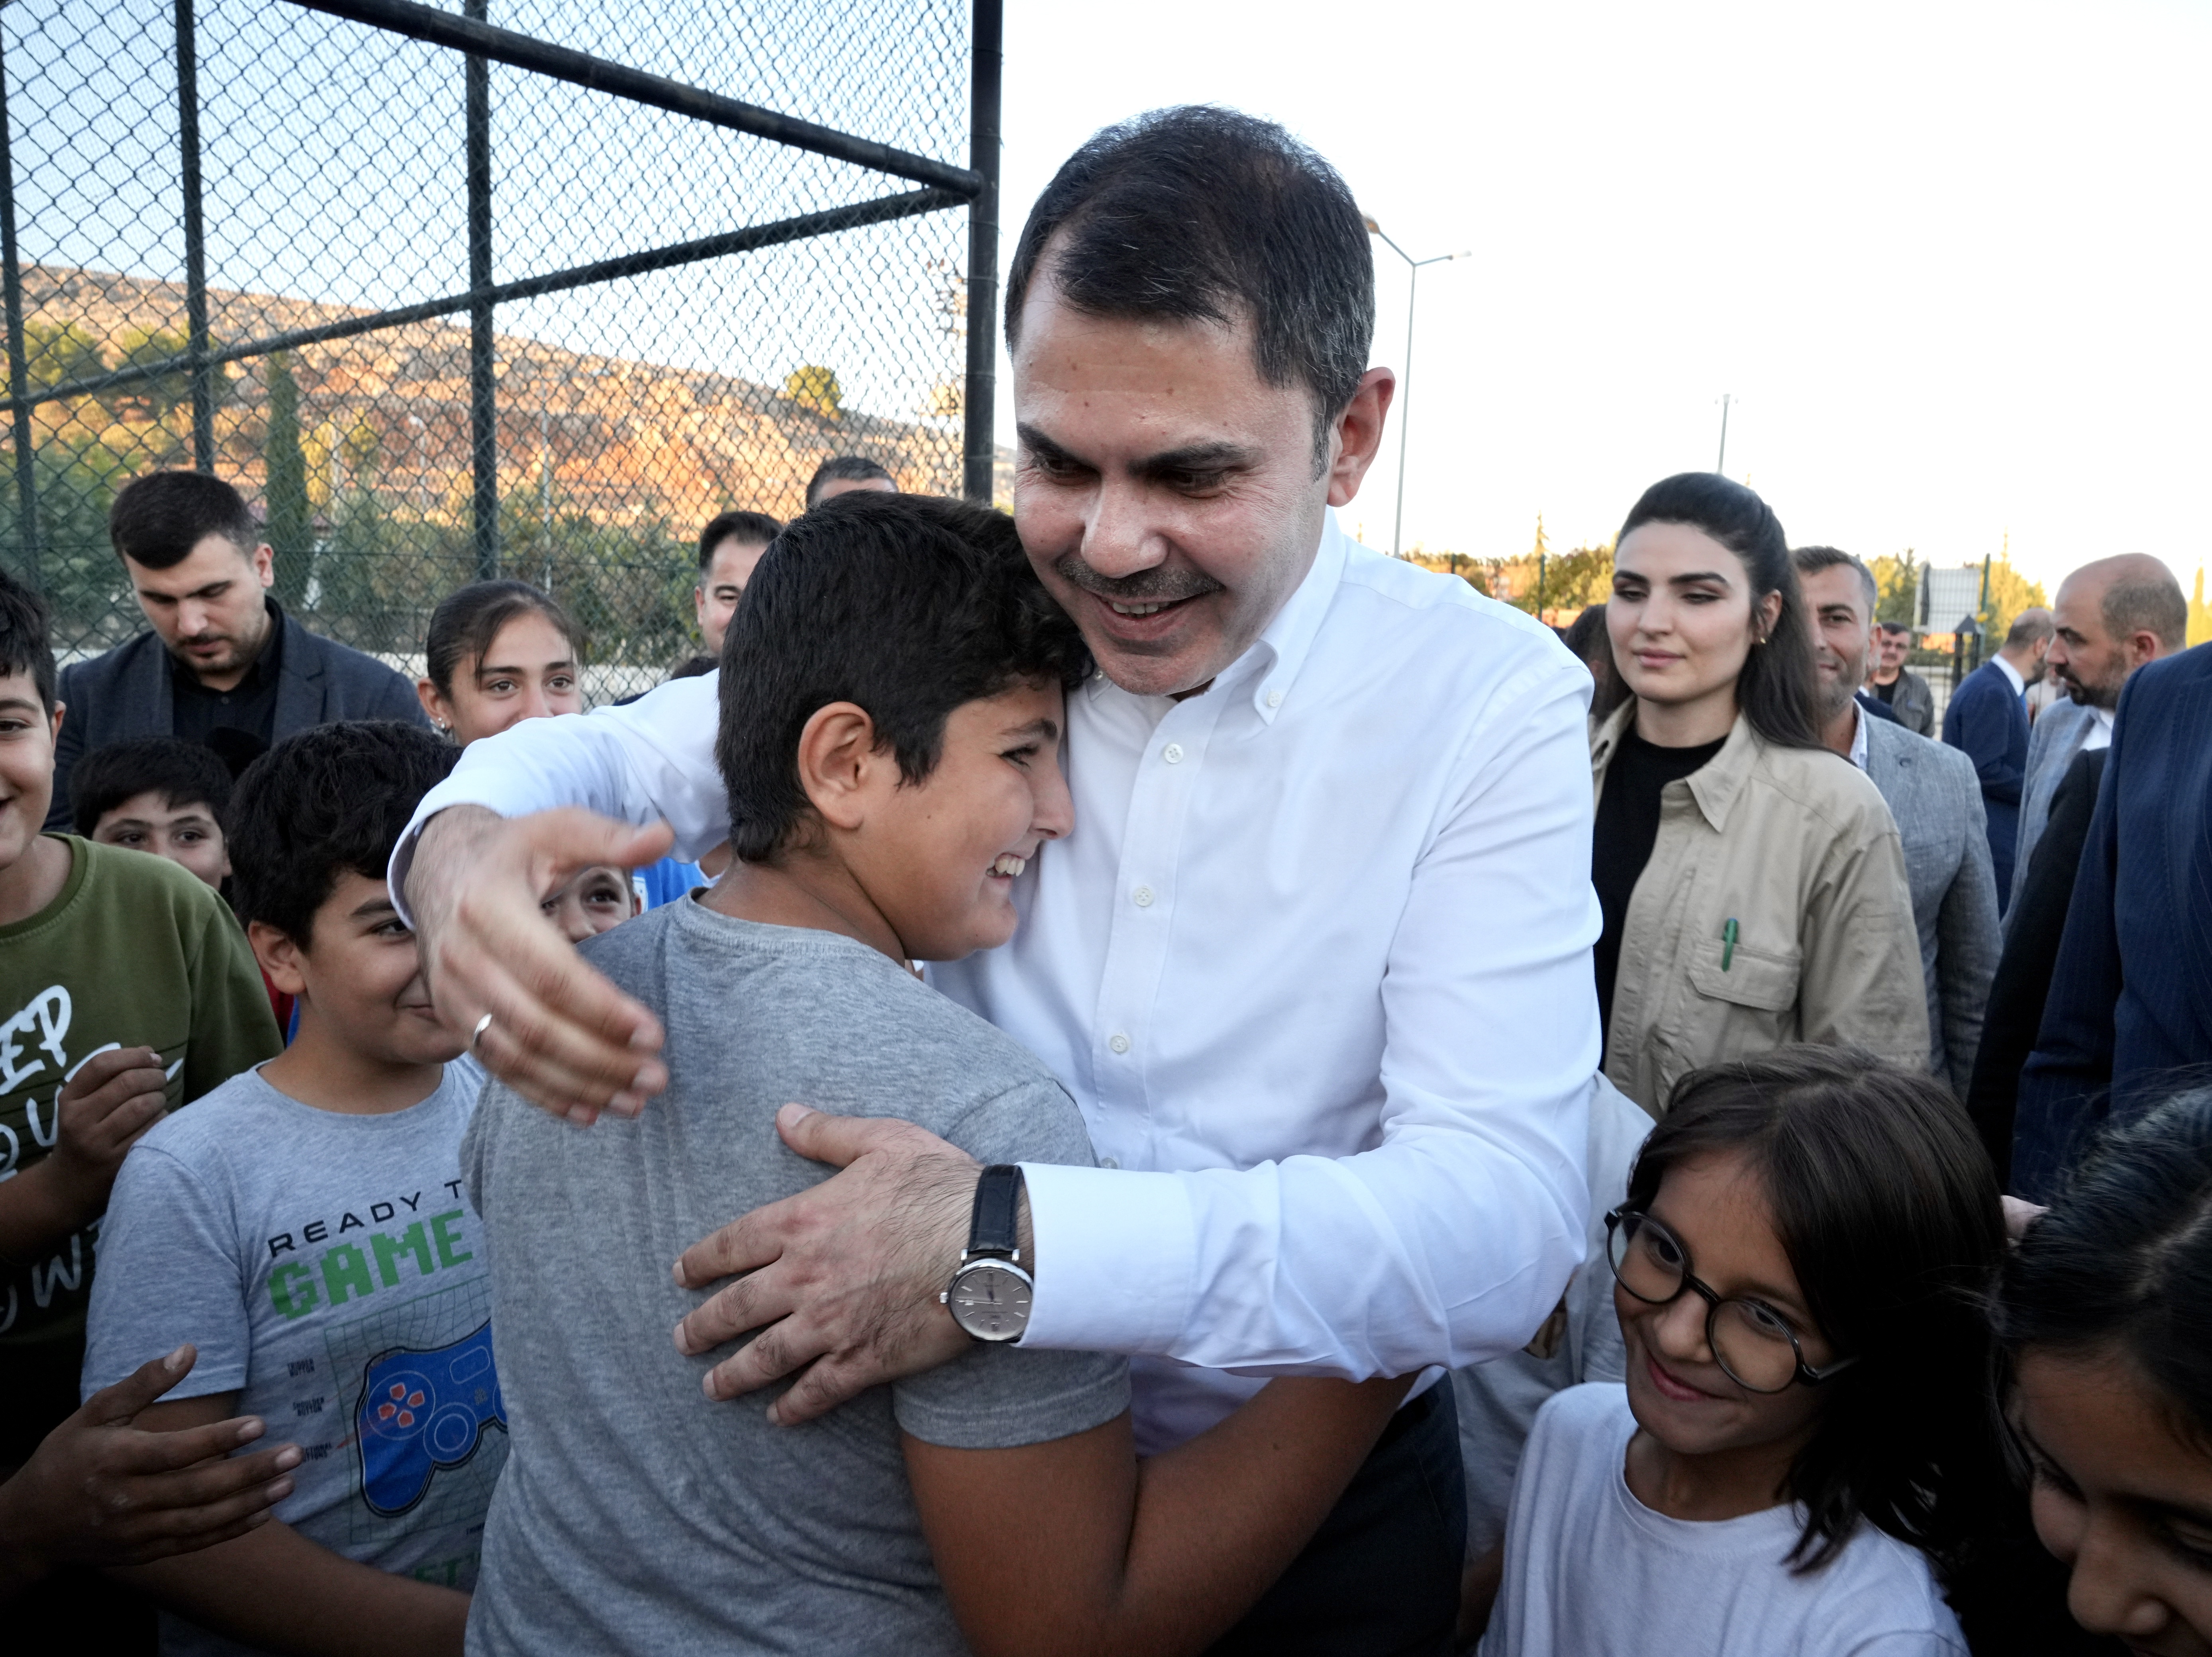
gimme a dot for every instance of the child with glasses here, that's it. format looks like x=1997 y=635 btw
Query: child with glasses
x=1801 y=1453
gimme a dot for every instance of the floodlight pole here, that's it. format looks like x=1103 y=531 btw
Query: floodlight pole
x=1406 y=374
x=1721 y=464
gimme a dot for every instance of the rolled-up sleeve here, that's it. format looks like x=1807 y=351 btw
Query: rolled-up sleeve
x=1451 y=1239
x=650 y=761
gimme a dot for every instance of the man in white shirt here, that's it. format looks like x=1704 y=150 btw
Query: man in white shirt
x=2112 y=616
x=1314 y=962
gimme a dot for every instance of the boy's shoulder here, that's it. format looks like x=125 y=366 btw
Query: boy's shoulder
x=229 y=1121
x=136 y=878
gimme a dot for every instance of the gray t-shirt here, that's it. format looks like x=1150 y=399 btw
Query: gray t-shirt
x=330 y=1271
x=637 y=1515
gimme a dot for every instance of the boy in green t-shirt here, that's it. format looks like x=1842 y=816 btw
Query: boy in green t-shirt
x=126 y=989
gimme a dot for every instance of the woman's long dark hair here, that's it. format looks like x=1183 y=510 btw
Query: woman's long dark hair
x=1887 y=1207
x=2124 y=1258
x=468 y=619
x=1775 y=691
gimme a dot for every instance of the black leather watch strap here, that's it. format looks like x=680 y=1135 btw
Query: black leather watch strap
x=995 y=1229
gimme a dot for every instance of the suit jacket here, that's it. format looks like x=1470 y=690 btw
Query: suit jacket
x=126 y=694
x=1936 y=799
x=2056 y=736
x=2130 y=1015
x=2034 y=927
x=1985 y=718
x=1912 y=704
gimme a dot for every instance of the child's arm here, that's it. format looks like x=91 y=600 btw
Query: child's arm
x=105 y=1108
x=274 y=1588
x=1076 y=1549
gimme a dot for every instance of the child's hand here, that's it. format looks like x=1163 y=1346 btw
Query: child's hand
x=104 y=1491
x=105 y=1109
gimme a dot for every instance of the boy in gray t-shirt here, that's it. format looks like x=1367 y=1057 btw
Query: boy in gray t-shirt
x=891 y=705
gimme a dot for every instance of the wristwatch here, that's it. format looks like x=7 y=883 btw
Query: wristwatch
x=989 y=1295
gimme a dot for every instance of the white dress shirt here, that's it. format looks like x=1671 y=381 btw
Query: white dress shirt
x=1315 y=963
x=2019 y=679
x=2100 y=731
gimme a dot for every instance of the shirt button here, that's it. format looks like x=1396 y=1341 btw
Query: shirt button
x=1119 y=1043
x=1274 y=699
x=1107 y=1161
x=1143 y=895
x=1172 y=753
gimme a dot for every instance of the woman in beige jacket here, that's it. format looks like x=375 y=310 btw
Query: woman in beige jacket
x=1752 y=882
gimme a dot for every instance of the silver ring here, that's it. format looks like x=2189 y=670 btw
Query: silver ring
x=477 y=1035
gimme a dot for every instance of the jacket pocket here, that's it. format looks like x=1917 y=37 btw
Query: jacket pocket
x=1765 y=980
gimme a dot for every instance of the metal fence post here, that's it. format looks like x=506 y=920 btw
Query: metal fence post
x=484 y=389
x=979 y=439
x=195 y=300
x=19 y=368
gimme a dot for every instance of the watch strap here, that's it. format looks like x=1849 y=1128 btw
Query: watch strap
x=995 y=1227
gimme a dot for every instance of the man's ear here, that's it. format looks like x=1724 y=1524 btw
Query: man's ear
x=280 y=956
x=840 y=764
x=1359 y=435
x=2142 y=647
x=265 y=564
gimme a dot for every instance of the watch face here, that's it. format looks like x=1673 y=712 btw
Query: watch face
x=991 y=1301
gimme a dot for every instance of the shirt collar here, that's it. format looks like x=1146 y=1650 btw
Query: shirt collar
x=1859 y=734
x=1714 y=785
x=2018 y=683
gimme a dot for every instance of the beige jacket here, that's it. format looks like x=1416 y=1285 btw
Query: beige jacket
x=1797 y=847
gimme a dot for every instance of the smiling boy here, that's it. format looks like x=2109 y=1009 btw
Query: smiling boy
x=303 y=1224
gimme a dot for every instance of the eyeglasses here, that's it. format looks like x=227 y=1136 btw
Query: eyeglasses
x=1753 y=1343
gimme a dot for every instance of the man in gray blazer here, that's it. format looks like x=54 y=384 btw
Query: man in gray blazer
x=1935 y=796
x=2112 y=616
x=223 y=665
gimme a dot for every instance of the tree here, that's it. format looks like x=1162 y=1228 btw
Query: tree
x=290 y=523
x=2009 y=592
x=1897 y=583
x=813 y=386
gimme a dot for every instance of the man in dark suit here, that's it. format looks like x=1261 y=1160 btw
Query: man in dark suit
x=2043 y=890
x=223 y=665
x=2130 y=1014
x=1988 y=720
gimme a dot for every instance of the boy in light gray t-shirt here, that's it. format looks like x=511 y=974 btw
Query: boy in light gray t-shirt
x=636 y=1514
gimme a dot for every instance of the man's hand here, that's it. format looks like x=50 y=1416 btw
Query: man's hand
x=101 y=1491
x=561 y=1035
x=844 y=1276
x=105 y=1109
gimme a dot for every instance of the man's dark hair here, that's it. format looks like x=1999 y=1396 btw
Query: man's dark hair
x=1206 y=214
x=746 y=527
x=1887 y=1208
x=182 y=772
x=25 y=645
x=906 y=604
x=1895 y=628
x=851 y=467
x=467 y=621
x=1811 y=561
x=331 y=799
x=159 y=518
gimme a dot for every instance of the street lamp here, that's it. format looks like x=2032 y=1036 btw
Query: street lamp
x=1405 y=379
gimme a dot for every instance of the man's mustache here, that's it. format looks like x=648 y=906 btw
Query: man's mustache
x=1159 y=584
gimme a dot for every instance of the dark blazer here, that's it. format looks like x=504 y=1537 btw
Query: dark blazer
x=1987 y=720
x=2129 y=1018
x=125 y=694
x=2022 y=983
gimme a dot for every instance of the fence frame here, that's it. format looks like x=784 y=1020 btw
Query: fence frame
x=943 y=187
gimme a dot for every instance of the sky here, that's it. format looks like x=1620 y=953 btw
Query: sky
x=1951 y=261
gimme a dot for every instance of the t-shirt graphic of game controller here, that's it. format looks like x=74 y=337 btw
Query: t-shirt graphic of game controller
x=424 y=1414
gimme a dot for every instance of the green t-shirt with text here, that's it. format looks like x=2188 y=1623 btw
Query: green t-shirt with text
x=135 y=952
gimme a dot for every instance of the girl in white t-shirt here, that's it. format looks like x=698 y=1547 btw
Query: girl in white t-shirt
x=2104 y=1315
x=1803 y=1433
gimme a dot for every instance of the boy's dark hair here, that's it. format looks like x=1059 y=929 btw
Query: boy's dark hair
x=25 y=645
x=852 y=468
x=467 y=621
x=159 y=518
x=330 y=799
x=1206 y=214
x=182 y=773
x=906 y=604
x=746 y=527
x=1887 y=1208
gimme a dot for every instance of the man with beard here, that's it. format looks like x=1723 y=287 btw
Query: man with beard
x=1936 y=797
x=224 y=666
x=1314 y=960
x=2111 y=617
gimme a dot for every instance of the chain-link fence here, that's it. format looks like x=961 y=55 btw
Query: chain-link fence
x=447 y=293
